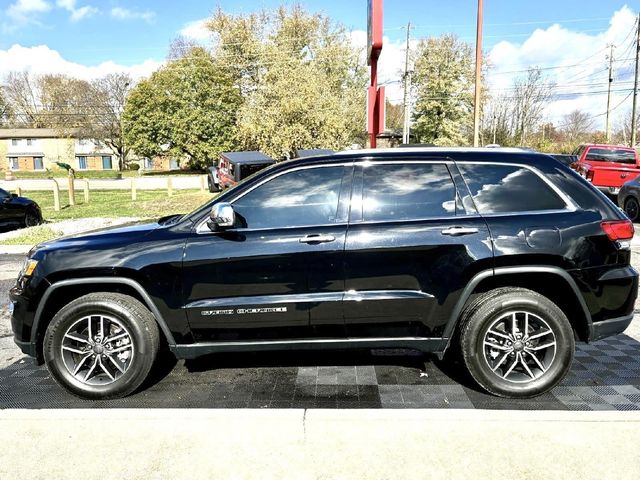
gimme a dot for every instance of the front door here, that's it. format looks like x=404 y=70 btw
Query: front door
x=411 y=248
x=278 y=274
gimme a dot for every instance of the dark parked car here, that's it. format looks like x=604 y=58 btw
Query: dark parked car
x=18 y=211
x=629 y=199
x=501 y=256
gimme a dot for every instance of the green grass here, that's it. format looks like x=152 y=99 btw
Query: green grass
x=118 y=203
x=32 y=236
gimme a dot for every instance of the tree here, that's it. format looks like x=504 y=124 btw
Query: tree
x=22 y=92
x=186 y=108
x=576 y=126
x=108 y=98
x=443 y=79
x=6 y=113
x=531 y=95
x=300 y=77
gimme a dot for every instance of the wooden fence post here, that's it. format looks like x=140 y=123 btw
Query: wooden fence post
x=134 y=192
x=72 y=191
x=203 y=182
x=56 y=196
x=19 y=191
x=169 y=186
x=86 y=191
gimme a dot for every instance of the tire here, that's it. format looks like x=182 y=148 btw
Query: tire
x=213 y=187
x=632 y=208
x=32 y=218
x=507 y=361
x=105 y=369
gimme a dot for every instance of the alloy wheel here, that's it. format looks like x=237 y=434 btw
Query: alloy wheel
x=519 y=346
x=632 y=209
x=97 y=349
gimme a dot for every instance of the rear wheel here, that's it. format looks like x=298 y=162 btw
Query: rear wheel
x=101 y=345
x=516 y=343
x=632 y=208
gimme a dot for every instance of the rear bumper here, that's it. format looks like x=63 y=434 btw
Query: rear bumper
x=607 y=328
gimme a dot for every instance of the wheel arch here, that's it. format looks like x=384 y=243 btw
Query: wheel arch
x=549 y=281
x=60 y=293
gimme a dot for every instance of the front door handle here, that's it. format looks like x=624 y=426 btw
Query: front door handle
x=456 y=231
x=317 y=238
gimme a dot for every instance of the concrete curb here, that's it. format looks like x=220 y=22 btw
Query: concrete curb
x=15 y=249
x=313 y=444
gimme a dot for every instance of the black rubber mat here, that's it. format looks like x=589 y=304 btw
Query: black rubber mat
x=605 y=376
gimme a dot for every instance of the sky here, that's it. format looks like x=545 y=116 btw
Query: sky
x=567 y=39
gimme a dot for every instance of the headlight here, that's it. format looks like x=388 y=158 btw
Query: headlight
x=28 y=267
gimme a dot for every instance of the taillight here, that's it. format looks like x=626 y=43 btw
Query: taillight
x=589 y=175
x=618 y=229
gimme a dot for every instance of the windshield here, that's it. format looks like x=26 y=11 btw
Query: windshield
x=614 y=155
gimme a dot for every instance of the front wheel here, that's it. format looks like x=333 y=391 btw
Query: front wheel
x=101 y=345
x=516 y=343
x=32 y=218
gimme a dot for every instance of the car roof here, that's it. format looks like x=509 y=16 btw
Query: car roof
x=608 y=146
x=247 y=158
x=457 y=153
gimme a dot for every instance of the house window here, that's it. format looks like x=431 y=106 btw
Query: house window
x=29 y=142
x=148 y=164
x=106 y=162
x=82 y=163
x=13 y=163
x=14 y=142
x=38 y=163
x=173 y=164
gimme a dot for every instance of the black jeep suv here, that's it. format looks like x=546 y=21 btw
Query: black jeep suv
x=502 y=256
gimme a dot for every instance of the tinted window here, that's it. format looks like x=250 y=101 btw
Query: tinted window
x=503 y=188
x=298 y=198
x=617 y=155
x=248 y=170
x=407 y=191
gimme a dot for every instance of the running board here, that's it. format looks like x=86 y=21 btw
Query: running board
x=193 y=350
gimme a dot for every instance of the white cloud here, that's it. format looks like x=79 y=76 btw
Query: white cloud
x=41 y=60
x=120 y=13
x=77 y=13
x=582 y=61
x=24 y=12
x=196 y=30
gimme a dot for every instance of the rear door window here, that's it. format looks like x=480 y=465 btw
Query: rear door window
x=507 y=189
x=613 y=155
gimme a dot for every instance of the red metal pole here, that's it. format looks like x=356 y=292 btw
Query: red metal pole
x=373 y=106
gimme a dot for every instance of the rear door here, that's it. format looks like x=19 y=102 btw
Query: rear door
x=411 y=248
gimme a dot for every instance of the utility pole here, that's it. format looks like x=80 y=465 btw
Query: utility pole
x=635 y=87
x=608 y=128
x=407 y=86
x=476 y=103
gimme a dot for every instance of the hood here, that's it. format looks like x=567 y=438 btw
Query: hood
x=115 y=235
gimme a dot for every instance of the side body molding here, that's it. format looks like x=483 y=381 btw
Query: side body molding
x=475 y=281
x=110 y=280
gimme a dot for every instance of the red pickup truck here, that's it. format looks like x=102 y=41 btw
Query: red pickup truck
x=607 y=167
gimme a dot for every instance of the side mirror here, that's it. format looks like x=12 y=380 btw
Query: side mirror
x=14 y=195
x=221 y=216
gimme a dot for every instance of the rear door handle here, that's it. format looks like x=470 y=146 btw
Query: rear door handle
x=455 y=231
x=318 y=238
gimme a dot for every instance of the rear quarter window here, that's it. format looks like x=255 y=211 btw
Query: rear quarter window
x=507 y=189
